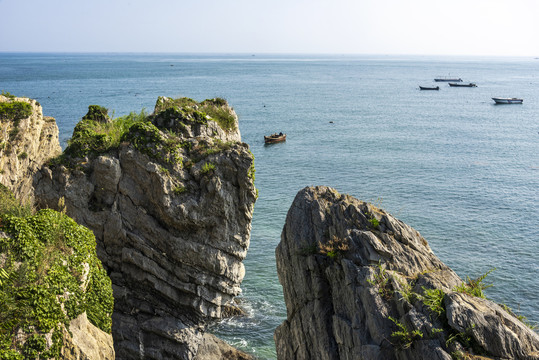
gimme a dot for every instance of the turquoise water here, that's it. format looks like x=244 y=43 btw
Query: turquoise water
x=461 y=170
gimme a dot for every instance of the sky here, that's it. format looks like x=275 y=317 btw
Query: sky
x=415 y=27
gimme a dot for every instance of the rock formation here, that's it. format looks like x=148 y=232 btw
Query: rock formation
x=170 y=201
x=33 y=260
x=84 y=341
x=212 y=348
x=27 y=140
x=360 y=284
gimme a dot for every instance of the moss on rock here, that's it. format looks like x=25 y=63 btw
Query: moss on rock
x=92 y=137
x=53 y=275
x=97 y=113
x=175 y=112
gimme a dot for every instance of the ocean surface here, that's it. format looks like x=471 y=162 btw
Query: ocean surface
x=462 y=171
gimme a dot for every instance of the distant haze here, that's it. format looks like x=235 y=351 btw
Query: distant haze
x=430 y=27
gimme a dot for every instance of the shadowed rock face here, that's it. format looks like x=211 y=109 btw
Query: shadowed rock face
x=171 y=209
x=358 y=284
x=26 y=142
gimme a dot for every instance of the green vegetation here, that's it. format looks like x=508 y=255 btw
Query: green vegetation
x=3 y=276
x=15 y=110
x=176 y=117
x=8 y=95
x=164 y=170
x=9 y=205
x=96 y=137
x=434 y=299
x=205 y=148
x=207 y=167
x=406 y=292
x=374 y=222
x=178 y=190
x=160 y=135
x=164 y=103
x=464 y=338
x=381 y=280
x=49 y=275
x=97 y=113
x=252 y=170
x=404 y=336
x=474 y=287
x=187 y=110
x=218 y=110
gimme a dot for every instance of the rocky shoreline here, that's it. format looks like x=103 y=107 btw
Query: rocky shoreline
x=169 y=197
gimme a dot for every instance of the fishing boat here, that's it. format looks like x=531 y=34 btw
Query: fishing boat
x=462 y=85
x=448 y=80
x=429 y=88
x=275 y=138
x=507 y=100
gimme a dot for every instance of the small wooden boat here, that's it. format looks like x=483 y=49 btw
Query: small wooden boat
x=275 y=138
x=462 y=85
x=429 y=88
x=507 y=100
x=448 y=80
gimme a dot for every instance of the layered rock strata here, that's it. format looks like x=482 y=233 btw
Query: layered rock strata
x=360 y=284
x=170 y=204
x=27 y=140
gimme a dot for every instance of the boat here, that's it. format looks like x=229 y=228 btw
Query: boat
x=462 y=85
x=429 y=88
x=275 y=138
x=448 y=80
x=507 y=100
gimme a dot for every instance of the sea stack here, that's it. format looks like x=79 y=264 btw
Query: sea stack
x=360 y=284
x=170 y=202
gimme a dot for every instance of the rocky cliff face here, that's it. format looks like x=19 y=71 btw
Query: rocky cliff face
x=170 y=201
x=27 y=140
x=44 y=286
x=360 y=284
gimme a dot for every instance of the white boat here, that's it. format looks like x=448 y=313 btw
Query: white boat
x=507 y=100
x=448 y=79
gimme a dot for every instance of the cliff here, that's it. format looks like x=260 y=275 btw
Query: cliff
x=27 y=140
x=170 y=198
x=50 y=278
x=360 y=284
x=55 y=297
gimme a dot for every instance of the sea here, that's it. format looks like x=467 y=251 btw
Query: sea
x=461 y=170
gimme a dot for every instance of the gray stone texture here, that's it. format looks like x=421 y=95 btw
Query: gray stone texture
x=339 y=306
x=172 y=237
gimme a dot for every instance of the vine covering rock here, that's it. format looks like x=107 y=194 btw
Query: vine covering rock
x=52 y=275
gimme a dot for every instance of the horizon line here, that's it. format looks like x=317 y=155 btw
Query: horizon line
x=253 y=54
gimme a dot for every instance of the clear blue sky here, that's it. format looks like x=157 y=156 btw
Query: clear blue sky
x=456 y=27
